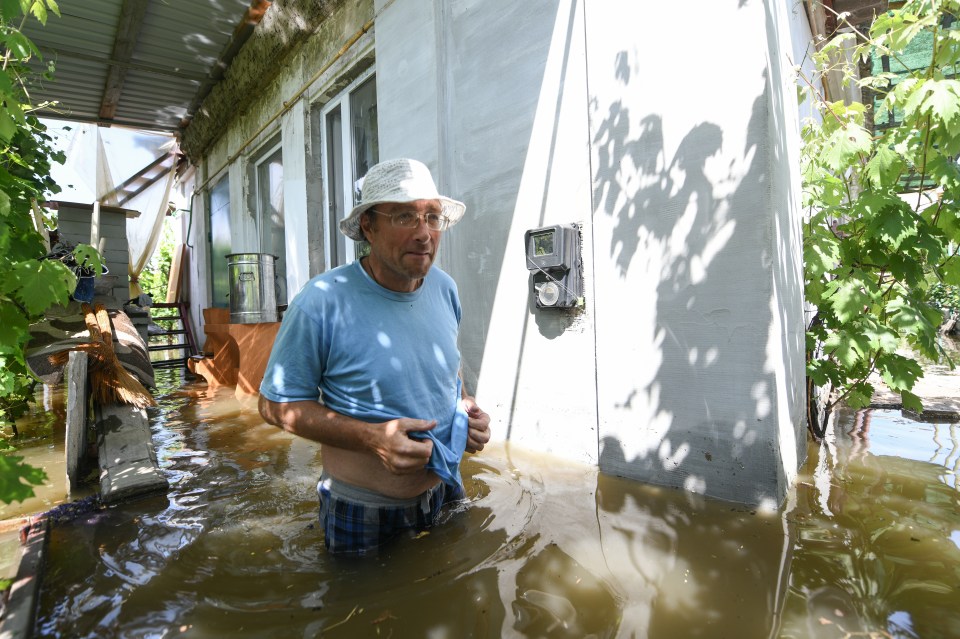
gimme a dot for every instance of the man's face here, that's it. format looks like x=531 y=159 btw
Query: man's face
x=400 y=257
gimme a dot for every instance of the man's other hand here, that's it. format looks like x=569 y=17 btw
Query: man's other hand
x=400 y=453
x=478 y=432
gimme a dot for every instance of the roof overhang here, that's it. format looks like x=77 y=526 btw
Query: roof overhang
x=146 y=64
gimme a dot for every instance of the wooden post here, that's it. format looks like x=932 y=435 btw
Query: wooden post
x=77 y=402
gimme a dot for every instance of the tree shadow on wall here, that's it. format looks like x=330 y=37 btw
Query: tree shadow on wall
x=692 y=223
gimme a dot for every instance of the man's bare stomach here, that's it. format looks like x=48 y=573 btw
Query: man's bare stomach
x=366 y=471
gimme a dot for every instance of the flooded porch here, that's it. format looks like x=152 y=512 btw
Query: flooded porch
x=869 y=541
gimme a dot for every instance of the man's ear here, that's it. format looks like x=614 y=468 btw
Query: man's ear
x=366 y=224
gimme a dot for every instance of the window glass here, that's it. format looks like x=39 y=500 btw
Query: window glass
x=351 y=147
x=335 y=210
x=220 y=242
x=270 y=218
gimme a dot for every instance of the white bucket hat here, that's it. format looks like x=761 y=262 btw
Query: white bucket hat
x=400 y=180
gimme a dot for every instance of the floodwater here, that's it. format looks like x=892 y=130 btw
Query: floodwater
x=868 y=542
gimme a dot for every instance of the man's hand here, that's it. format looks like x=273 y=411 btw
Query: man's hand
x=400 y=453
x=478 y=432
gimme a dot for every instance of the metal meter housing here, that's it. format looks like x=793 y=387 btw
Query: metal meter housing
x=553 y=257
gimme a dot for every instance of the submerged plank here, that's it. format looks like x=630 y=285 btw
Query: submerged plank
x=76 y=434
x=128 y=459
x=20 y=613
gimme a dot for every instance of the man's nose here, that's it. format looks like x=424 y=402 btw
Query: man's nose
x=421 y=231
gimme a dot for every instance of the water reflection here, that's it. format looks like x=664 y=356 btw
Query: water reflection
x=868 y=542
x=875 y=522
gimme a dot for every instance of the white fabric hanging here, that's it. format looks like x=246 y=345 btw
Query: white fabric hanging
x=143 y=233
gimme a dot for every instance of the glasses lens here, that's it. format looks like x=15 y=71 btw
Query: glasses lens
x=436 y=222
x=405 y=219
x=408 y=219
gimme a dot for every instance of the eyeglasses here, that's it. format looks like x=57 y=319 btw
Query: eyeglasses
x=409 y=220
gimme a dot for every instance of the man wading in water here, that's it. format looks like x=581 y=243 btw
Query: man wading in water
x=378 y=338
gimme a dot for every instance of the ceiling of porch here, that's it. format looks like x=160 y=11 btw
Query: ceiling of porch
x=146 y=64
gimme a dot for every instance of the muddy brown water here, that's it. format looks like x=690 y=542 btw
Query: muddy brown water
x=868 y=542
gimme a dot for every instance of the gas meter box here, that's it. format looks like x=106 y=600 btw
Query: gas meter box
x=553 y=256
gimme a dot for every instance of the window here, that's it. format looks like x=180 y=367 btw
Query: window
x=268 y=184
x=219 y=238
x=350 y=147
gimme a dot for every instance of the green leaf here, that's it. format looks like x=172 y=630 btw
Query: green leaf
x=860 y=395
x=911 y=402
x=898 y=372
x=908 y=315
x=40 y=285
x=889 y=218
x=881 y=337
x=14 y=331
x=850 y=348
x=951 y=272
x=944 y=171
x=10 y=9
x=845 y=145
x=939 y=99
x=8 y=127
x=88 y=257
x=849 y=296
x=884 y=168
x=21 y=46
x=820 y=255
x=16 y=479
x=39 y=9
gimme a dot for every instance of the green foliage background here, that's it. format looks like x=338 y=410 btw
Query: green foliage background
x=873 y=253
x=28 y=285
x=155 y=277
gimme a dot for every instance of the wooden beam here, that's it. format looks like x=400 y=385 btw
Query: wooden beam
x=128 y=31
x=139 y=175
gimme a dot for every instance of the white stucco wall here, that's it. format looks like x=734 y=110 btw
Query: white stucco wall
x=694 y=232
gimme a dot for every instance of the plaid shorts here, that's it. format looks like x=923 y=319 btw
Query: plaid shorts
x=357 y=521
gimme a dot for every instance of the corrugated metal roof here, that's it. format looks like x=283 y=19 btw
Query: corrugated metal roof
x=140 y=63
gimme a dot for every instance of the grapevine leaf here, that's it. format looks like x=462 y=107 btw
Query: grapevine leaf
x=849 y=348
x=820 y=256
x=16 y=479
x=860 y=395
x=40 y=11
x=951 y=272
x=889 y=218
x=14 y=329
x=884 y=167
x=898 y=372
x=844 y=145
x=940 y=99
x=848 y=297
x=39 y=285
x=881 y=338
x=944 y=171
x=911 y=401
x=88 y=257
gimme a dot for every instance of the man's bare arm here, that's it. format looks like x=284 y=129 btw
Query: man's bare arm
x=389 y=441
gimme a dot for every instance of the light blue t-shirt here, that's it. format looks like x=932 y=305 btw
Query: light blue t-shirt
x=376 y=355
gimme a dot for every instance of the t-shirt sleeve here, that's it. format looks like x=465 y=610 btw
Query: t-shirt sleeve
x=295 y=366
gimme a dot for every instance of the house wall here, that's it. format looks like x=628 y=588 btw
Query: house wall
x=698 y=363
x=684 y=366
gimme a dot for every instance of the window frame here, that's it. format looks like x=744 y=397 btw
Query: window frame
x=331 y=231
